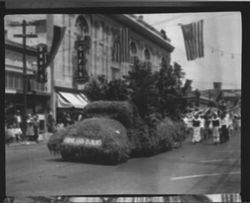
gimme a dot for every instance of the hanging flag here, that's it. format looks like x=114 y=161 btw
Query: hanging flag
x=56 y=42
x=193 y=39
x=124 y=45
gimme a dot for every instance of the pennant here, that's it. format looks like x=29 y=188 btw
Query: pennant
x=56 y=42
x=193 y=39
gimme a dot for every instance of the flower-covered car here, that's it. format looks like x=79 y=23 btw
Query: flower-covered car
x=111 y=131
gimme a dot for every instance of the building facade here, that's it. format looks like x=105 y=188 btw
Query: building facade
x=111 y=44
x=114 y=41
x=38 y=94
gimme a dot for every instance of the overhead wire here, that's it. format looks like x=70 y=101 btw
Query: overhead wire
x=205 y=66
x=213 y=48
x=183 y=15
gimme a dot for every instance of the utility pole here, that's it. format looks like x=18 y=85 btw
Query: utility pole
x=24 y=36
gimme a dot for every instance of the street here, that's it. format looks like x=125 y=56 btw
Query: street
x=192 y=169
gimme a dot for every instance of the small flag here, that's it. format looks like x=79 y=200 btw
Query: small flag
x=56 y=42
x=193 y=38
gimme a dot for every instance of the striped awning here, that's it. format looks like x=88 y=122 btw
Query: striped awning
x=69 y=100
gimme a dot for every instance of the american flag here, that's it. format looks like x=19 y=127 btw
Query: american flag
x=193 y=38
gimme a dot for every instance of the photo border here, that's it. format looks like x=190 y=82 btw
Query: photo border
x=105 y=7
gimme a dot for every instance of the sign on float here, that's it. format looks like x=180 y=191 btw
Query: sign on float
x=82 y=141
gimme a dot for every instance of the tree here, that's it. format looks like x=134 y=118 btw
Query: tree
x=96 y=88
x=117 y=90
x=169 y=87
x=140 y=82
x=156 y=94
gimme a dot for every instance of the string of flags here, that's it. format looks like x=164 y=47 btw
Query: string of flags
x=194 y=42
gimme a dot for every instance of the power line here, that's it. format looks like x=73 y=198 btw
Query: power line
x=177 y=17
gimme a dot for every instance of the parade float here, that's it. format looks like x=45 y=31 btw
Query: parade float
x=112 y=132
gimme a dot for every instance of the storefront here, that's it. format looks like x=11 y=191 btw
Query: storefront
x=69 y=101
x=36 y=103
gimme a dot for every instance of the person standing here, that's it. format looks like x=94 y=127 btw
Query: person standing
x=50 y=123
x=223 y=128
x=36 y=126
x=216 y=126
x=202 y=126
x=30 y=128
x=196 y=129
x=18 y=123
x=79 y=117
x=18 y=119
x=207 y=124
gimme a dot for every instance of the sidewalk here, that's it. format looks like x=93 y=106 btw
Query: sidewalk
x=43 y=138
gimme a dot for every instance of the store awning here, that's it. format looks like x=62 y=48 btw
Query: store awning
x=69 y=100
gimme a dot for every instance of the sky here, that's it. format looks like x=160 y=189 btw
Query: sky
x=222 y=47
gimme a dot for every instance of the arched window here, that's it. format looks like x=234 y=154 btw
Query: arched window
x=132 y=52
x=147 y=55
x=82 y=27
x=163 y=61
x=132 y=49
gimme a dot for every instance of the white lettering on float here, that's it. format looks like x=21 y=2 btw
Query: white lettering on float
x=82 y=141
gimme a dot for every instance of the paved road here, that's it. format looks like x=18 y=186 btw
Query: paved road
x=193 y=169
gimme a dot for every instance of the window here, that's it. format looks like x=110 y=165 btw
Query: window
x=132 y=52
x=147 y=55
x=13 y=80
x=132 y=49
x=115 y=73
x=16 y=80
x=82 y=27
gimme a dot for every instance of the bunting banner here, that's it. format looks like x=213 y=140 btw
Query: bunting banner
x=56 y=42
x=124 y=45
x=193 y=39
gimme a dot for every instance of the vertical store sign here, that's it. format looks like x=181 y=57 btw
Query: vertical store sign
x=82 y=47
x=80 y=60
x=42 y=56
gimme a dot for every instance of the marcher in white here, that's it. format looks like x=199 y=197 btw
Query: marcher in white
x=216 y=126
x=202 y=125
x=224 y=128
x=196 y=129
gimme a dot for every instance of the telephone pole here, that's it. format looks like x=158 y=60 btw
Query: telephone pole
x=24 y=36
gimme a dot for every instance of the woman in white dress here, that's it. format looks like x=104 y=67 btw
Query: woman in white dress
x=196 y=129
